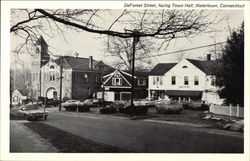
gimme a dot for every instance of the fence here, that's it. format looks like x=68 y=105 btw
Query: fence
x=227 y=110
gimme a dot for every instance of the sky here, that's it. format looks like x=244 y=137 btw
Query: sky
x=90 y=44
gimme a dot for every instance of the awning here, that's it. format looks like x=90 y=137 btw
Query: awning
x=183 y=93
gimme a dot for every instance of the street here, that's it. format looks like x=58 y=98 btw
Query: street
x=147 y=137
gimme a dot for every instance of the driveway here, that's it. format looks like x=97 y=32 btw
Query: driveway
x=147 y=136
x=22 y=139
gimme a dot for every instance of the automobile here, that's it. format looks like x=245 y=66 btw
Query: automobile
x=144 y=102
x=134 y=110
x=52 y=102
x=75 y=105
x=108 y=110
x=32 y=112
x=170 y=107
x=93 y=102
x=202 y=106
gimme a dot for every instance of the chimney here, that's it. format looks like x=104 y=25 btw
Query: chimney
x=76 y=54
x=208 y=57
x=90 y=62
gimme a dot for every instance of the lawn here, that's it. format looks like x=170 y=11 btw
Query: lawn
x=69 y=143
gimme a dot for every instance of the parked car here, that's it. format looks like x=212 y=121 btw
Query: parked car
x=169 y=107
x=134 y=110
x=108 y=110
x=52 y=102
x=74 y=105
x=195 y=105
x=144 y=102
x=32 y=112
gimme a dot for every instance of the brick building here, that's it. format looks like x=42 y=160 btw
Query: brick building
x=81 y=77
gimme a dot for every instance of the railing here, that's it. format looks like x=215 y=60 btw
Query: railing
x=235 y=111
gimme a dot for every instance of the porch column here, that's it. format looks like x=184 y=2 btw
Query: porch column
x=149 y=94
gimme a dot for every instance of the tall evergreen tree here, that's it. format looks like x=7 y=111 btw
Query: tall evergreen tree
x=231 y=76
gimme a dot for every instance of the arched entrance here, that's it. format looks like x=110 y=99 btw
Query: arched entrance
x=51 y=93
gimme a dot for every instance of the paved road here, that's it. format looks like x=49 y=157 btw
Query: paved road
x=146 y=136
x=22 y=139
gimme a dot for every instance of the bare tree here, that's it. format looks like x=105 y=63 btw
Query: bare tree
x=21 y=80
x=160 y=24
x=121 y=49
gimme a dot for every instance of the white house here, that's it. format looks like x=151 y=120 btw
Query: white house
x=17 y=97
x=186 y=80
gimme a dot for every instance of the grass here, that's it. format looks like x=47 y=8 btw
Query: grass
x=69 y=143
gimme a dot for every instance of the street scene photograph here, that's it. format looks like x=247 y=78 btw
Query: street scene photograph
x=126 y=81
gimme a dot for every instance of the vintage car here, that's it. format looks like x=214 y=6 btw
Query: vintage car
x=75 y=105
x=195 y=105
x=32 y=112
x=169 y=107
x=134 y=110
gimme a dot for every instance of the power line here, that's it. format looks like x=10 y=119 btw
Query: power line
x=181 y=50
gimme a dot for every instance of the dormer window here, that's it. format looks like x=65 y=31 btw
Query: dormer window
x=184 y=66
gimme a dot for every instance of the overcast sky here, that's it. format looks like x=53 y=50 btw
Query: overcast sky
x=87 y=44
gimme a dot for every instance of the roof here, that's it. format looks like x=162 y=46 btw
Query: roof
x=127 y=75
x=138 y=73
x=79 y=63
x=209 y=67
x=162 y=68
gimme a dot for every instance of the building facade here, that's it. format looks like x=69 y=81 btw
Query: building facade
x=81 y=77
x=186 y=80
x=118 y=84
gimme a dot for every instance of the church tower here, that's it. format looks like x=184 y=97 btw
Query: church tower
x=40 y=57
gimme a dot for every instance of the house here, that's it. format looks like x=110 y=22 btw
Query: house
x=188 y=79
x=17 y=97
x=117 y=85
x=81 y=77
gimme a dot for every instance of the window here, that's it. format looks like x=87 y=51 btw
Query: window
x=86 y=77
x=34 y=76
x=185 y=80
x=213 y=81
x=173 y=80
x=184 y=66
x=154 y=80
x=196 y=80
x=52 y=67
x=116 y=81
x=141 y=82
x=157 y=80
x=52 y=76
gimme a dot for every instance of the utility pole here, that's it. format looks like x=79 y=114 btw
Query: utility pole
x=136 y=39
x=61 y=70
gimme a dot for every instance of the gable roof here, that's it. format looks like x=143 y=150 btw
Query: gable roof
x=162 y=68
x=126 y=75
x=209 y=67
x=79 y=63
